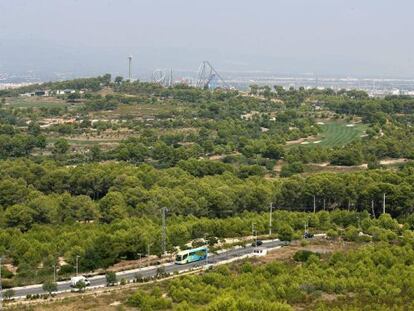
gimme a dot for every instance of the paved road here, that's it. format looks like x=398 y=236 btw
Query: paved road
x=150 y=271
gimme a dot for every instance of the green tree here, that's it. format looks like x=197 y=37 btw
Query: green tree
x=274 y=151
x=111 y=278
x=49 y=287
x=118 y=79
x=8 y=294
x=60 y=147
x=19 y=216
x=285 y=232
x=113 y=206
x=80 y=286
x=291 y=169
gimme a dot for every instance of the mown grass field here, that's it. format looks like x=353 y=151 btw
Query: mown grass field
x=335 y=134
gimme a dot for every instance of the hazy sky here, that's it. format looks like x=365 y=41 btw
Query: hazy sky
x=345 y=37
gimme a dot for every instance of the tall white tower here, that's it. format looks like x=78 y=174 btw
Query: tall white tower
x=129 y=67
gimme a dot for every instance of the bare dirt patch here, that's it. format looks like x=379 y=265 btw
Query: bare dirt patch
x=322 y=246
x=300 y=140
x=393 y=161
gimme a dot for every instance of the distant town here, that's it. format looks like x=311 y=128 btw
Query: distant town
x=375 y=87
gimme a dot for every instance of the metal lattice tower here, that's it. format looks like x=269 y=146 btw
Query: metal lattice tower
x=208 y=77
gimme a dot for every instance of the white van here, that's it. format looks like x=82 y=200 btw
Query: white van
x=76 y=279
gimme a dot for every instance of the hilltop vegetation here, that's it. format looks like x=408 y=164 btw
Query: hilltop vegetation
x=144 y=122
x=87 y=172
x=376 y=277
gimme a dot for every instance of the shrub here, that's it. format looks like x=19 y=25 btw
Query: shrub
x=110 y=278
x=285 y=232
x=147 y=302
x=332 y=234
x=49 y=287
x=291 y=169
x=351 y=234
x=304 y=255
x=66 y=269
x=8 y=294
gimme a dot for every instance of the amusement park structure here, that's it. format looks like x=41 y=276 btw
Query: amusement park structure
x=207 y=77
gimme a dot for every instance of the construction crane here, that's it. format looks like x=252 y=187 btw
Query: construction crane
x=208 y=77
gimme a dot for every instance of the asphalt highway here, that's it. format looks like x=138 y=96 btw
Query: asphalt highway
x=100 y=280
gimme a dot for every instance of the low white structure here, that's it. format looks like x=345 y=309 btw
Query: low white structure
x=260 y=251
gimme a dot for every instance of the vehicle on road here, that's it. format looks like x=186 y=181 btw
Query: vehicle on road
x=191 y=255
x=257 y=243
x=308 y=235
x=76 y=279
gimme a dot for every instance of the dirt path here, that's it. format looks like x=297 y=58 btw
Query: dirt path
x=301 y=140
x=393 y=161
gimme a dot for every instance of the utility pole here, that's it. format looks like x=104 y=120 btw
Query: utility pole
x=164 y=232
x=1 y=289
x=139 y=260
x=254 y=234
x=383 y=204
x=148 y=253
x=54 y=273
x=171 y=83
x=270 y=219
x=314 y=204
x=372 y=208
x=77 y=264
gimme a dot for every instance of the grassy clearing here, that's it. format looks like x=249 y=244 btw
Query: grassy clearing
x=334 y=134
x=136 y=110
x=36 y=102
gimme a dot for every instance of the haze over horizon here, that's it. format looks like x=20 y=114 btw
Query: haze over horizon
x=355 y=38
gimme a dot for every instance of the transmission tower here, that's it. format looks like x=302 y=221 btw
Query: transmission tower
x=163 y=77
x=208 y=77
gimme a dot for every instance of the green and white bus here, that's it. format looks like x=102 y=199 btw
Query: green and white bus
x=191 y=255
